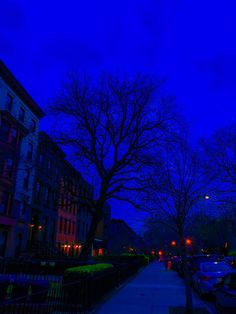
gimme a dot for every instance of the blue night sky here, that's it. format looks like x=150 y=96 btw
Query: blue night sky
x=190 y=43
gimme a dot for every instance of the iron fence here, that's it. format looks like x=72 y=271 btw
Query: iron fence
x=58 y=298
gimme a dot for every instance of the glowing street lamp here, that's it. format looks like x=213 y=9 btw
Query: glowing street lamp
x=207 y=197
x=188 y=242
x=173 y=243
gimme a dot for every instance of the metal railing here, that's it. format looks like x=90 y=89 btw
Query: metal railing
x=76 y=297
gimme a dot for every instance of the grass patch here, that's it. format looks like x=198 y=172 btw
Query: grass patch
x=181 y=310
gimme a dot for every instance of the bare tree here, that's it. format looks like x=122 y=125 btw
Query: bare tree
x=112 y=125
x=220 y=151
x=175 y=188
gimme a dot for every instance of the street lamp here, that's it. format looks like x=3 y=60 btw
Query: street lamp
x=188 y=242
x=207 y=197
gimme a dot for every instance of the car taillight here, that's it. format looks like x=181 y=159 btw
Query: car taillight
x=205 y=278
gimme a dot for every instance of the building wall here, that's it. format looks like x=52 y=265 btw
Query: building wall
x=9 y=151
x=44 y=215
x=10 y=87
x=122 y=239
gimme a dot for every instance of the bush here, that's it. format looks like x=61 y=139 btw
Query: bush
x=125 y=257
x=142 y=257
x=232 y=253
x=75 y=273
x=85 y=285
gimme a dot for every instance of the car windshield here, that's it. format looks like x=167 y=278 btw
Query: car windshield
x=215 y=267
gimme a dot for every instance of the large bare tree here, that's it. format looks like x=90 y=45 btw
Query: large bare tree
x=175 y=189
x=113 y=126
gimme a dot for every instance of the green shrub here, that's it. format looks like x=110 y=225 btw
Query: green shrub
x=75 y=273
x=232 y=253
x=124 y=257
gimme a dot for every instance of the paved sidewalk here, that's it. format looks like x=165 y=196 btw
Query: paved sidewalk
x=152 y=291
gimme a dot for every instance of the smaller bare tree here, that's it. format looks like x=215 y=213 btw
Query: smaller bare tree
x=175 y=188
x=220 y=152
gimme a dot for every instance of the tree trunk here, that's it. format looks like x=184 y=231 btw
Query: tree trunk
x=86 y=252
x=188 y=290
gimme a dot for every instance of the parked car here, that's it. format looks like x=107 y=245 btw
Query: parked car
x=210 y=274
x=194 y=261
x=231 y=260
x=225 y=295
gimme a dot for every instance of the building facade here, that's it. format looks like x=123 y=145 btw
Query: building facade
x=44 y=213
x=73 y=214
x=123 y=239
x=20 y=117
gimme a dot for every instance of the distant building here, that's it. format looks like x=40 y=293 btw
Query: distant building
x=123 y=239
x=19 y=127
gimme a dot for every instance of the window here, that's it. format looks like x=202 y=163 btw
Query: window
x=9 y=102
x=8 y=168
x=30 y=152
x=45 y=229
x=47 y=196
x=41 y=159
x=38 y=190
x=23 y=208
x=56 y=172
x=4 y=198
x=3 y=243
x=53 y=230
x=32 y=125
x=22 y=114
x=14 y=135
x=61 y=224
x=49 y=164
x=65 y=226
x=26 y=179
x=4 y=130
x=18 y=245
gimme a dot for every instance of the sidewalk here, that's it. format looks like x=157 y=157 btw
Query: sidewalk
x=152 y=291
